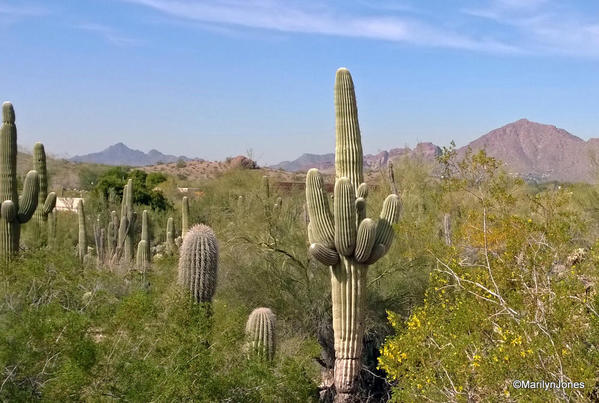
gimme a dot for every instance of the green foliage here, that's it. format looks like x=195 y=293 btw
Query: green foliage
x=143 y=186
x=509 y=301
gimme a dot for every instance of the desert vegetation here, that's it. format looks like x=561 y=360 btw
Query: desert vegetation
x=466 y=279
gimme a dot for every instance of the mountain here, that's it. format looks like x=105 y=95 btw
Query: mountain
x=539 y=152
x=326 y=162
x=534 y=151
x=120 y=154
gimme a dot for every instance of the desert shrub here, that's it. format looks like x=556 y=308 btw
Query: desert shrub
x=511 y=300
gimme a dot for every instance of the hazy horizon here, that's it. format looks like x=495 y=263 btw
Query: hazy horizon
x=215 y=79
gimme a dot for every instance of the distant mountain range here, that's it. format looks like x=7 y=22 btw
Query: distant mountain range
x=534 y=151
x=120 y=154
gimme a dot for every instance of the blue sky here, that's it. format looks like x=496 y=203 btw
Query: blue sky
x=216 y=78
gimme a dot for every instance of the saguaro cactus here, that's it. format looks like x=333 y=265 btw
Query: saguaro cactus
x=447 y=228
x=170 y=235
x=112 y=233
x=143 y=257
x=266 y=186
x=260 y=332
x=128 y=217
x=14 y=210
x=82 y=245
x=184 y=216
x=198 y=263
x=346 y=240
x=46 y=201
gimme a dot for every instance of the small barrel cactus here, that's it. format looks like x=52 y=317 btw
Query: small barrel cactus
x=260 y=332
x=198 y=263
x=14 y=210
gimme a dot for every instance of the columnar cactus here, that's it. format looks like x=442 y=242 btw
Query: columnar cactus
x=46 y=201
x=143 y=257
x=170 y=236
x=99 y=236
x=447 y=228
x=82 y=245
x=198 y=263
x=184 y=216
x=112 y=233
x=391 y=174
x=266 y=186
x=346 y=240
x=128 y=217
x=14 y=210
x=260 y=332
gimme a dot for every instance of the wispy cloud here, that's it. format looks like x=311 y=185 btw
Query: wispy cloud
x=320 y=19
x=109 y=34
x=544 y=26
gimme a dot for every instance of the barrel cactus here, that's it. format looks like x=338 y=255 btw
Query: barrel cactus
x=260 y=332
x=14 y=210
x=46 y=201
x=143 y=256
x=198 y=263
x=345 y=239
x=184 y=216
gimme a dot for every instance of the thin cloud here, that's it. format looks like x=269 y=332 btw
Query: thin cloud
x=318 y=19
x=544 y=27
x=109 y=34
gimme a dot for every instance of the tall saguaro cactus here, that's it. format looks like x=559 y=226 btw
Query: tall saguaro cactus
x=82 y=245
x=143 y=247
x=128 y=217
x=14 y=210
x=184 y=216
x=198 y=263
x=346 y=240
x=46 y=201
x=260 y=332
x=170 y=236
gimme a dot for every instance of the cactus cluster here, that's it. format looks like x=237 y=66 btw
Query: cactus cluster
x=143 y=258
x=345 y=239
x=14 y=210
x=260 y=333
x=198 y=263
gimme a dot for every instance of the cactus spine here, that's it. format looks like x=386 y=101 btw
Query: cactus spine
x=143 y=247
x=198 y=263
x=346 y=240
x=82 y=245
x=184 y=216
x=260 y=332
x=170 y=236
x=14 y=210
x=45 y=201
